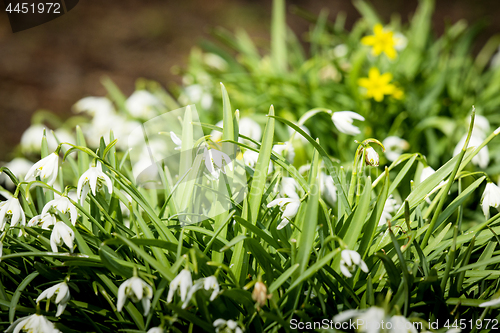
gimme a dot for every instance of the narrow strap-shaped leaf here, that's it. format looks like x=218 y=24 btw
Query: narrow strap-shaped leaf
x=17 y=294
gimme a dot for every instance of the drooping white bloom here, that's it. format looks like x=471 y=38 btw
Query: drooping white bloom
x=156 y=330
x=31 y=140
x=214 y=160
x=288 y=187
x=251 y=157
x=32 y=324
x=371 y=157
x=481 y=126
x=91 y=180
x=401 y=325
x=208 y=283
x=390 y=206
x=343 y=121
x=289 y=208
x=222 y=325
x=426 y=173
x=259 y=294
x=11 y=212
x=482 y=159
x=94 y=106
x=327 y=188
x=350 y=260
x=45 y=220
x=196 y=94
x=61 y=234
x=46 y=169
x=176 y=140
x=142 y=104
x=286 y=149
x=183 y=281
x=394 y=147
x=61 y=293
x=491 y=303
x=64 y=205
x=490 y=198
x=249 y=128
x=369 y=320
x=19 y=167
x=137 y=290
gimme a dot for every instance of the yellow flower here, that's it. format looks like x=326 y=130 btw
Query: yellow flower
x=398 y=93
x=378 y=85
x=382 y=40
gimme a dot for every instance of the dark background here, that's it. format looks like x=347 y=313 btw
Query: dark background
x=54 y=65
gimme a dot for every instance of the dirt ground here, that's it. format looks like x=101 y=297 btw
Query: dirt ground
x=54 y=65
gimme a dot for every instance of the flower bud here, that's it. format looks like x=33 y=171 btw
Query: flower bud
x=259 y=294
x=371 y=157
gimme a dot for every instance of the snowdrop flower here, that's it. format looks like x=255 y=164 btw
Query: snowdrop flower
x=249 y=128
x=45 y=220
x=371 y=157
x=289 y=208
x=33 y=324
x=285 y=149
x=491 y=198
x=62 y=298
x=482 y=159
x=394 y=147
x=251 y=157
x=11 y=211
x=217 y=135
x=64 y=205
x=259 y=294
x=46 y=169
x=340 y=51
x=184 y=282
x=94 y=106
x=400 y=41
x=195 y=94
x=222 y=325
x=176 y=141
x=481 y=126
x=401 y=325
x=137 y=290
x=493 y=302
x=208 y=283
x=351 y=259
x=369 y=320
x=31 y=140
x=343 y=121
x=19 y=167
x=156 y=330
x=327 y=188
x=61 y=234
x=390 y=206
x=142 y=104
x=289 y=187
x=426 y=173
x=298 y=135
x=215 y=158
x=91 y=180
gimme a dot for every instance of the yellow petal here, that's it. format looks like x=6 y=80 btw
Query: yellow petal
x=378 y=29
x=391 y=52
x=364 y=82
x=368 y=40
x=385 y=78
x=374 y=73
x=378 y=96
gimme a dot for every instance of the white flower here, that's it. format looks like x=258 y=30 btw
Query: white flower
x=184 y=282
x=289 y=208
x=196 y=94
x=215 y=158
x=285 y=149
x=137 y=290
x=176 y=140
x=61 y=234
x=142 y=104
x=46 y=220
x=482 y=159
x=298 y=135
x=400 y=41
x=46 y=169
x=19 y=167
x=95 y=106
x=156 y=330
x=426 y=173
x=351 y=259
x=343 y=121
x=221 y=324
x=481 y=126
x=31 y=140
x=91 y=180
x=33 y=324
x=327 y=188
x=249 y=128
x=493 y=302
x=208 y=283
x=289 y=187
x=11 y=211
x=368 y=321
x=394 y=147
x=62 y=298
x=64 y=205
x=390 y=206
x=371 y=157
x=251 y=157
x=259 y=294
x=491 y=198
x=401 y=325
x=340 y=51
